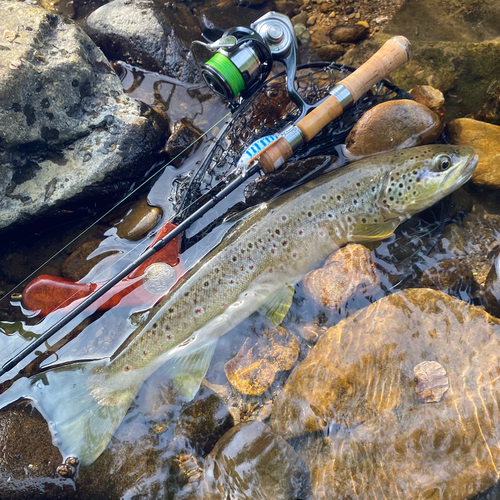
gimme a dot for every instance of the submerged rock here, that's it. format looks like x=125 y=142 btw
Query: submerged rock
x=450 y=276
x=253 y=369
x=358 y=383
x=350 y=33
x=184 y=135
x=490 y=112
x=393 y=125
x=346 y=272
x=276 y=470
x=485 y=139
x=428 y=96
x=151 y=34
x=67 y=128
x=491 y=299
x=29 y=461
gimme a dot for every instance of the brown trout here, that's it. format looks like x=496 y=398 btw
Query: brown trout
x=268 y=250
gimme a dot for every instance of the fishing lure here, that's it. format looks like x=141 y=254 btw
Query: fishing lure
x=255 y=149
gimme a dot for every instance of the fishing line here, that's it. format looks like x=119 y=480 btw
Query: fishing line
x=114 y=208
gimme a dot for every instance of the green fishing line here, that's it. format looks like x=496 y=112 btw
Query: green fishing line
x=229 y=71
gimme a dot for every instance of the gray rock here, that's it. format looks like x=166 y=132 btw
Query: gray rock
x=148 y=33
x=67 y=128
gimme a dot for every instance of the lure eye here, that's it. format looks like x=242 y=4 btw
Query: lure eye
x=443 y=162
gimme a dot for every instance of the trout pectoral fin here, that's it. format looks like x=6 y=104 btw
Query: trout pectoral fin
x=277 y=305
x=186 y=372
x=373 y=231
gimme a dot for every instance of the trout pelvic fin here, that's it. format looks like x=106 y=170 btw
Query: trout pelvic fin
x=373 y=231
x=277 y=305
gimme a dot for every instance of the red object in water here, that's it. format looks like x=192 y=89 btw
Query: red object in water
x=47 y=293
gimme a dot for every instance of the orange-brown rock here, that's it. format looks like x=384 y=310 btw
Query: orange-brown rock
x=485 y=139
x=428 y=96
x=346 y=272
x=358 y=383
x=139 y=220
x=253 y=369
x=393 y=125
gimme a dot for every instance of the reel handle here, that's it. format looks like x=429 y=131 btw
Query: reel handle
x=391 y=56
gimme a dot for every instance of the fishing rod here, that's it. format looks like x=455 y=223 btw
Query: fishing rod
x=241 y=61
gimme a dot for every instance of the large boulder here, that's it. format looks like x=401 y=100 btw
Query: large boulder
x=359 y=386
x=67 y=128
x=152 y=34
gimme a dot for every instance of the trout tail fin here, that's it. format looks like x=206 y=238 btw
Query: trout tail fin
x=81 y=423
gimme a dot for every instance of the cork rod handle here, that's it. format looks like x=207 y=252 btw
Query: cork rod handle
x=391 y=56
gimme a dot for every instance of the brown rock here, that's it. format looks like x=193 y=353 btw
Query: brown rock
x=432 y=381
x=358 y=381
x=450 y=276
x=139 y=221
x=350 y=33
x=29 y=460
x=428 y=96
x=393 y=125
x=253 y=369
x=330 y=52
x=485 y=139
x=490 y=112
x=325 y=7
x=347 y=271
x=183 y=136
x=491 y=299
x=78 y=264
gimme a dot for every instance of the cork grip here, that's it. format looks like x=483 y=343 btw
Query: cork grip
x=391 y=56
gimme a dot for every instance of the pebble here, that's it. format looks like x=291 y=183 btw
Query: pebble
x=311 y=21
x=350 y=33
x=253 y=369
x=393 y=125
x=346 y=272
x=139 y=221
x=303 y=36
x=485 y=139
x=324 y=7
x=451 y=276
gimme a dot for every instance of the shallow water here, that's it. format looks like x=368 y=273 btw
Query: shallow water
x=156 y=431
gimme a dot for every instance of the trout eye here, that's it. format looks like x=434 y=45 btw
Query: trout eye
x=443 y=162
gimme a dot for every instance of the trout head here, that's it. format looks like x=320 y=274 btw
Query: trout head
x=419 y=177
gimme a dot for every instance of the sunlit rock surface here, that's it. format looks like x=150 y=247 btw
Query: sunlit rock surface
x=251 y=462
x=393 y=125
x=253 y=369
x=347 y=271
x=485 y=139
x=358 y=384
x=67 y=128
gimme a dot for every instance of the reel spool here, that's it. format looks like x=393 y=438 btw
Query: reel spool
x=241 y=60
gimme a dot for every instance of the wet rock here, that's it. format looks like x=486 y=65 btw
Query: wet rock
x=29 y=460
x=485 y=139
x=302 y=34
x=450 y=276
x=183 y=136
x=428 y=96
x=67 y=128
x=138 y=221
x=268 y=186
x=358 y=384
x=491 y=299
x=80 y=262
x=432 y=381
x=277 y=472
x=346 y=272
x=393 y=125
x=350 y=33
x=203 y=421
x=253 y=369
x=461 y=71
x=490 y=112
x=151 y=34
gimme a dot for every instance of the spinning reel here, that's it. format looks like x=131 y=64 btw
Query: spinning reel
x=239 y=62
